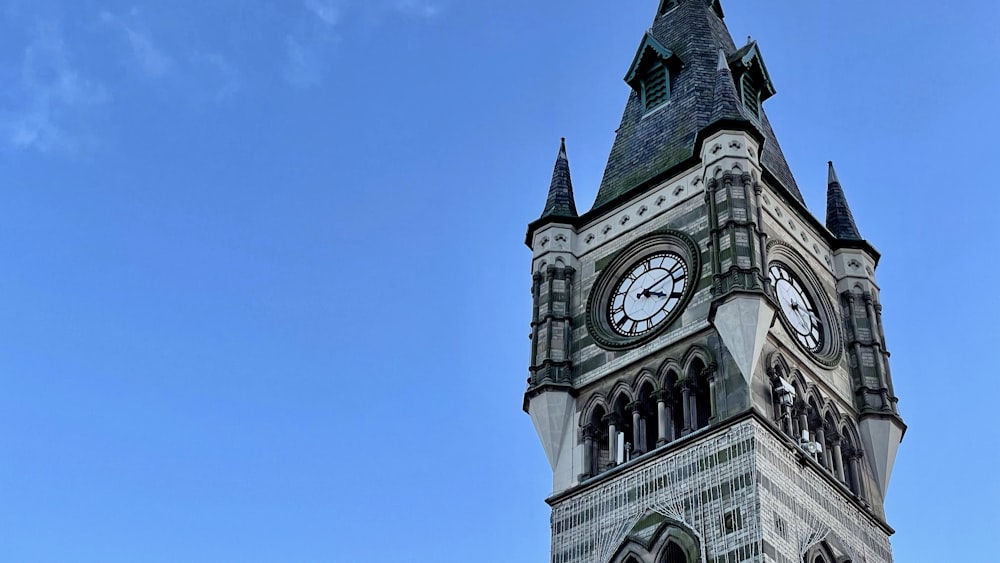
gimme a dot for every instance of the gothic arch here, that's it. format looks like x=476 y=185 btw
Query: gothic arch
x=851 y=452
x=798 y=378
x=697 y=353
x=621 y=389
x=822 y=553
x=656 y=538
x=645 y=376
x=669 y=365
x=597 y=400
x=630 y=555
x=779 y=365
x=673 y=533
x=646 y=433
x=671 y=383
x=700 y=397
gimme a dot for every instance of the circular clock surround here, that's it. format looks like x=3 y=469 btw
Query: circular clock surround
x=804 y=310
x=643 y=290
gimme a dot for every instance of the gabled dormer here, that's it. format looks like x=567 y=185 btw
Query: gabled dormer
x=751 y=75
x=667 y=5
x=652 y=73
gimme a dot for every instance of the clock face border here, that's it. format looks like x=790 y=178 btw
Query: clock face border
x=805 y=325
x=666 y=241
x=830 y=351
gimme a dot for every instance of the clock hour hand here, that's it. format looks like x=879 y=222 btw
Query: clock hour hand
x=648 y=292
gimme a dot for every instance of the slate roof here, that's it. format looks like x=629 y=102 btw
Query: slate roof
x=559 y=202
x=646 y=146
x=839 y=219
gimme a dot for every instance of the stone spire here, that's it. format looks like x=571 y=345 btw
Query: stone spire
x=650 y=145
x=839 y=219
x=726 y=106
x=560 y=201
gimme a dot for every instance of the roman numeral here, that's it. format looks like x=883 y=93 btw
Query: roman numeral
x=621 y=322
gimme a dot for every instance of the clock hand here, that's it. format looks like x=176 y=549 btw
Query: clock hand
x=648 y=292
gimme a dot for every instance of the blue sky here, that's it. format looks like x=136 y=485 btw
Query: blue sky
x=265 y=294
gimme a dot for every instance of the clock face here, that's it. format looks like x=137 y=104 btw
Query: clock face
x=797 y=307
x=647 y=293
x=642 y=289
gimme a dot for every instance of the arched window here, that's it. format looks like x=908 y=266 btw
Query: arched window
x=701 y=403
x=600 y=456
x=675 y=406
x=646 y=433
x=674 y=554
x=851 y=452
x=623 y=429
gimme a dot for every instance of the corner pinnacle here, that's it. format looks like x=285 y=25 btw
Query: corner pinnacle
x=560 y=202
x=839 y=218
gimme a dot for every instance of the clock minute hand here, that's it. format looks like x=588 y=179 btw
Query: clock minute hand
x=659 y=281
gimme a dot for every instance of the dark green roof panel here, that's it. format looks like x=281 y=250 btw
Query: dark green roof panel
x=646 y=146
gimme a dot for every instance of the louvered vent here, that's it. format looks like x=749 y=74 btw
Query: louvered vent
x=751 y=95
x=656 y=87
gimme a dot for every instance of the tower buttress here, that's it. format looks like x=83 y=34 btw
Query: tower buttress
x=855 y=261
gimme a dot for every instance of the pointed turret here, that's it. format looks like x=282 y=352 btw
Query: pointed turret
x=839 y=219
x=726 y=106
x=560 y=201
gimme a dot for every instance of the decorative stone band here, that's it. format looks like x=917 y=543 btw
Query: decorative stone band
x=745 y=467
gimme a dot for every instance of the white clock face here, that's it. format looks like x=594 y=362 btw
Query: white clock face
x=797 y=307
x=648 y=292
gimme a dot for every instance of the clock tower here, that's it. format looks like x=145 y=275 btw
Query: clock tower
x=708 y=376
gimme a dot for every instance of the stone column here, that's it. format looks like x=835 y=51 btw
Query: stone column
x=854 y=456
x=826 y=460
x=821 y=438
x=688 y=409
x=838 y=457
x=637 y=437
x=762 y=236
x=588 y=451
x=803 y=412
x=612 y=421
x=877 y=344
x=709 y=375
x=663 y=434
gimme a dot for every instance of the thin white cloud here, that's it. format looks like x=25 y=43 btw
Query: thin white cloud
x=223 y=77
x=304 y=67
x=328 y=11
x=150 y=58
x=419 y=8
x=307 y=48
x=50 y=96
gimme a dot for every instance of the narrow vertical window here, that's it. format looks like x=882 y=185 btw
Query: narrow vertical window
x=655 y=87
x=751 y=95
